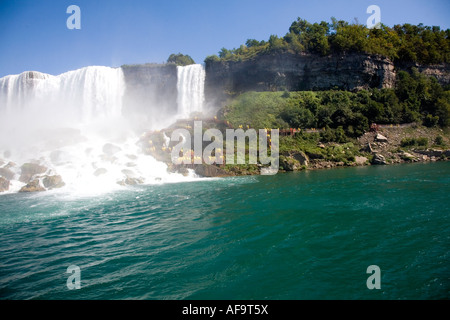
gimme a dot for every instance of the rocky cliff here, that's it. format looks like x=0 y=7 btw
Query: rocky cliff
x=294 y=72
x=150 y=90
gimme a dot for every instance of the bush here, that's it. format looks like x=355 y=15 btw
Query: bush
x=180 y=59
x=439 y=141
x=411 y=142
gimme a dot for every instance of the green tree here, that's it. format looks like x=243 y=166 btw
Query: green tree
x=180 y=59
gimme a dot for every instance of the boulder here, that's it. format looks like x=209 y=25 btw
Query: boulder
x=207 y=170
x=28 y=170
x=10 y=165
x=378 y=159
x=407 y=156
x=177 y=168
x=131 y=156
x=33 y=186
x=100 y=171
x=367 y=148
x=380 y=138
x=131 y=181
x=111 y=149
x=301 y=157
x=53 y=182
x=4 y=184
x=289 y=164
x=108 y=158
x=6 y=173
x=293 y=161
x=360 y=161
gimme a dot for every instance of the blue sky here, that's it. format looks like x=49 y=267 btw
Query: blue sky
x=34 y=36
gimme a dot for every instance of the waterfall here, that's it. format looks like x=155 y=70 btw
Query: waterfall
x=76 y=97
x=72 y=124
x=191 y=81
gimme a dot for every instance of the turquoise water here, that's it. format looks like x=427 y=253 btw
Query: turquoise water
x=306 y=235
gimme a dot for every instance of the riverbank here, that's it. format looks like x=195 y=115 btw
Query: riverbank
x=305 y=150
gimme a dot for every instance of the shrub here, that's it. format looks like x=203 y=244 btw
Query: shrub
x=411 y=142
x=439 y=141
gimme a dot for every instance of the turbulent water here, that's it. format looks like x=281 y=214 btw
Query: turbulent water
x=307 y=235
x=65 y=122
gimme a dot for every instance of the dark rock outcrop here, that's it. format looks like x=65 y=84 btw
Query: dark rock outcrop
x=53 y=182
x=378 y=159
x=28 y=170
x=4 y=184
x=33 y=186
x=6 y=173
x=131 y=181
x=294 y=161
x=210 y=171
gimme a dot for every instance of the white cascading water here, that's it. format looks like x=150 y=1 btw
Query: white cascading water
x=191 y=83
x=68 y=123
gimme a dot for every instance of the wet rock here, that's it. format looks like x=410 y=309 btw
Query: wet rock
x=6 y=173
x=378 y=159
x=111 y=149
x=4 y=184
x=181 y=169
x=206 y=170
x=131 y=181
x=108 y=158
x=53 y=182
x=128 y=173
x=100 y=171
x=28 y=170
x=33 y=186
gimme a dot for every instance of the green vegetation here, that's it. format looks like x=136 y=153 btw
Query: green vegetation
x=341 y=114
x=180 y=59
x=405 y=43
x=413 y=142
x=439 y=141
x=309 y=144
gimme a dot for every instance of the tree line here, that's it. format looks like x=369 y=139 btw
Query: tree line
x=401 y=43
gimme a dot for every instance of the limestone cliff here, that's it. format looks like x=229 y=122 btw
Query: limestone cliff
x=294 y=72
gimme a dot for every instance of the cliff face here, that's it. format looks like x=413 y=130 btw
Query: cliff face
x=293 y=72
x=150 y=89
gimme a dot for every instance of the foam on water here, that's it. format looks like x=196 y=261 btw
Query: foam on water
x=65 y=122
